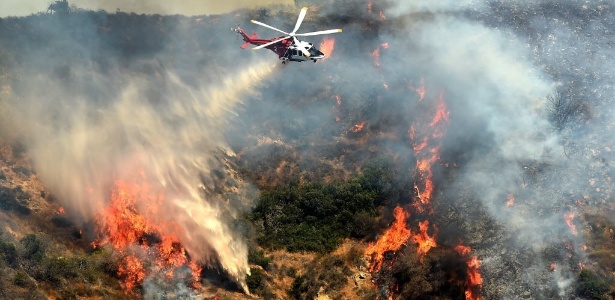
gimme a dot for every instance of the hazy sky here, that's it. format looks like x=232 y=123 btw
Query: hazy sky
x=185 y=7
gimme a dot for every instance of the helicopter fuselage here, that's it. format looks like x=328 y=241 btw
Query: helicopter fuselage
x=286 y=49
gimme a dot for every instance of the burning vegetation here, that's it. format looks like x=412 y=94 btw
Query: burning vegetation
x=428 y=157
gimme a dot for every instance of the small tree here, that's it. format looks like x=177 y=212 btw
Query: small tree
x=59 y=6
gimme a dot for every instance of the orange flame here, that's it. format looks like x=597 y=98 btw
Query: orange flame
x=569 y=217
x=423 y=240
x=441 y=113
x=391 y=240
x=60 y=211
x=511 y=200
x=123 y=226
x=358 y=127
x=376 y=57
x=420 y=90
x=327 y=46
x=338 y=100
x=427 y=156
x=474 y=280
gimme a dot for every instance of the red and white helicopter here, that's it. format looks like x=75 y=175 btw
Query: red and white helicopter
x=287 y=47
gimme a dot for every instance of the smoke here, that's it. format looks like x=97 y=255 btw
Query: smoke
x=89 y=126
x=189 y=8
x=498 y=63
x=178 y=114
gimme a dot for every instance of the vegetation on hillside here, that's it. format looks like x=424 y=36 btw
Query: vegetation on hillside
x=316 y=216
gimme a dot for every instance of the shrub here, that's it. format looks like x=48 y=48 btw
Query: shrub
x=258 y=257
x=8 y=253
x=33 y=248
x=21 y=279
x=591 y=285
x=316 y=216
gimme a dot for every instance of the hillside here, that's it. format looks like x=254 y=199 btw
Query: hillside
x=440 y=151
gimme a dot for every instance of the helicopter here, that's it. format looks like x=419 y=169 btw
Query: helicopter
x=287 y=47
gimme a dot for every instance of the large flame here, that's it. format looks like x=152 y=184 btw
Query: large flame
x=425 y=135
x=391 y=240
x=474 y=279
x=130 y=226
x=427 y=151
x=423 y=240
x=327 y=46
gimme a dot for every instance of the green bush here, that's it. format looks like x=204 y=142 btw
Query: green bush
x=317 y=216
x=33 y=248
x=21 y=279
x=8 y=253
x=59 y=268
x=257 y=283
x=591 y=285
x=258 y=257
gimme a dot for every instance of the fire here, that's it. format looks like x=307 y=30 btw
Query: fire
x=128 y=226
x=338 y=100
x=511 y=200
x=420 y=90
x=474 y=280
x=425 y=137
x=569 y=217
x=327 y=46
x=358 y=127
x=60 y=211
x=441 y=114
x=423 y=240
x=391 y=240
x=376 y=57
x=427 y=156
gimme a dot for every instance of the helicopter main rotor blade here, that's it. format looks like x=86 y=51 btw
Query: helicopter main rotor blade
x=300 y=19
x=319 y=32
x=305 y=52
x=268 y=26
x=270 y=43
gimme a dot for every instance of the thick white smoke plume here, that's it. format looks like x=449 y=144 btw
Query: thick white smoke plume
x=80 y=146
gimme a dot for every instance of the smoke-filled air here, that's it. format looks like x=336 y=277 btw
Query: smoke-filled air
x=439 y=150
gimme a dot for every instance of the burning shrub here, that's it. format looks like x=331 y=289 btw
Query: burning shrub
x=440 y=275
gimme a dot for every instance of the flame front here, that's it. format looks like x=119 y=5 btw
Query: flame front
x=423 y=240
x=427 y=151
x=569 y=218
x=474 y=279
x=128 y=225
x=391 y=240
x=425 y=136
